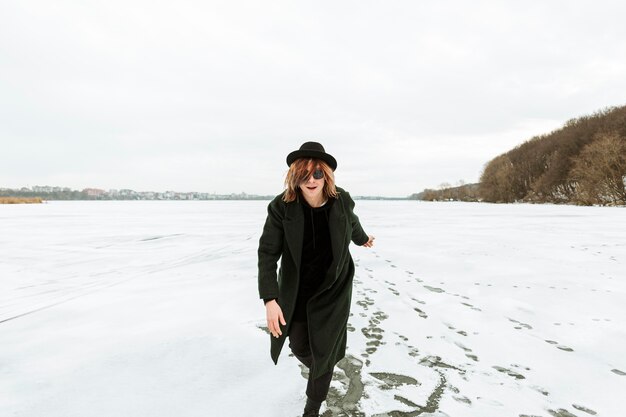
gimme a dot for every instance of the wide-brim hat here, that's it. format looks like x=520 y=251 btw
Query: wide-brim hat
x=312 y=150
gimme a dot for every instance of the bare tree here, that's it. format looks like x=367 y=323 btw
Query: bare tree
x=599 y=171
x=496 y=183
x=541 y=169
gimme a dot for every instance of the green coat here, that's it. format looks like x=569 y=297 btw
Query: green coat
x=329 y=307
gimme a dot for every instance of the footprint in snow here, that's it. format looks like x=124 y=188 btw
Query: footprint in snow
x=520 y=324
x=511 y=372
x=374 y=333
x=564 y=348
x=343 y=401
x=365 y=302
x=393 y=291
x=584 y=409
x=433 y=289
x=421 y=313
x=459 y=344
x=472 y=357
x=391 y=381
x=561 y=412
x=471 y=306
x=263 y=328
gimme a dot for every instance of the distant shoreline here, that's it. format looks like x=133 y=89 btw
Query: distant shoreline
x=21 y=200
x=31 y=200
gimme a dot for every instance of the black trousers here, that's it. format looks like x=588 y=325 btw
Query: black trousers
x=316 y=389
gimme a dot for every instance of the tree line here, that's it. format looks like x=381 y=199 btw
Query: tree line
x=447 y=192
x=584 y=162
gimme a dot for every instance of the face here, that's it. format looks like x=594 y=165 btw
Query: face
x=311 y=187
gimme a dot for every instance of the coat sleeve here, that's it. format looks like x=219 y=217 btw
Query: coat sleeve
x=270 y=250
x=359 y=237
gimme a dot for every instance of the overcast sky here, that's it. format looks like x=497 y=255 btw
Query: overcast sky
x=212 y=95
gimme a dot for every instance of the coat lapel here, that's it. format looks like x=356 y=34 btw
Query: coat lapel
x=293 y=225
x=337 y=226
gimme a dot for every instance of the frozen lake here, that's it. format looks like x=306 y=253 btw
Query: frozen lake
x=151 y=309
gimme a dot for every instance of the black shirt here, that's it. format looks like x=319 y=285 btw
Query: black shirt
x=317 y=254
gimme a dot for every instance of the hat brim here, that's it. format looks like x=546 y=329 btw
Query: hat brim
x=328 y=158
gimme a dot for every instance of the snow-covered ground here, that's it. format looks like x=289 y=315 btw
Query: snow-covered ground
x=151 y=309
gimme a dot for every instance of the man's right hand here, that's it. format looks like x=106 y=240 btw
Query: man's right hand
x=274 y=314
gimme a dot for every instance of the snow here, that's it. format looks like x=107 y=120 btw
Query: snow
x=150 y=308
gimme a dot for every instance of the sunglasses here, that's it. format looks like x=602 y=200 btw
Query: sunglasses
x=318 y=174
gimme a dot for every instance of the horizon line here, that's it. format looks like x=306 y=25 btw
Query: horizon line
x=117 y=190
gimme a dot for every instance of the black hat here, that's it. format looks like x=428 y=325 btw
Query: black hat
x=312 y=150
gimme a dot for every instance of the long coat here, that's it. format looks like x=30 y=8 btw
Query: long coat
x=328 y=309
